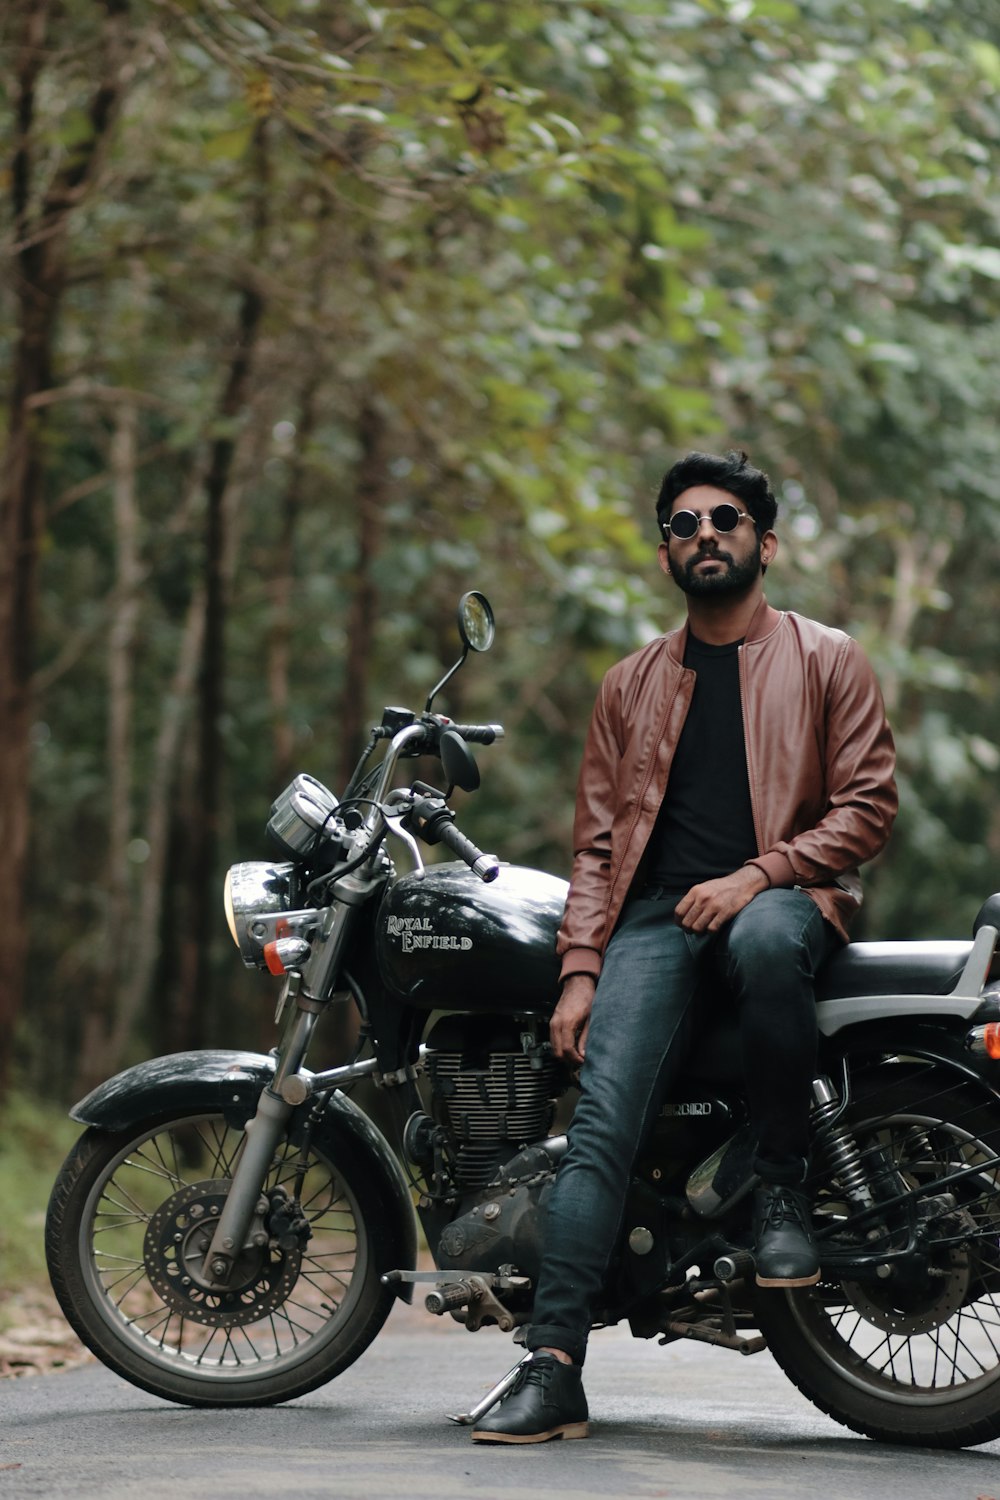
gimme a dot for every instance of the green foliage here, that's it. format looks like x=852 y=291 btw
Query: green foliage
x=547 y=246
x=34 y=1139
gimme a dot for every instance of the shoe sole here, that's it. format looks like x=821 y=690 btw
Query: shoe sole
x=788 y=1280
x=568 y=1430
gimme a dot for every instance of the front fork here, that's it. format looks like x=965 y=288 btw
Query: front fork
x=265 y=1131
x=263 y=1135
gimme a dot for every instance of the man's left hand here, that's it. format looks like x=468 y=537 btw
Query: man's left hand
x=713 y=903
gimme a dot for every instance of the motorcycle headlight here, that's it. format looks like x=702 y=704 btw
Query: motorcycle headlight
x=255 y=896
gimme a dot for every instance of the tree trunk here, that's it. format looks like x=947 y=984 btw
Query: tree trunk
x=371 y=499
x=921 y=558
x=279 y=644
x=119 y=928
x=145 y=953
x=195 y=966
x=40 y=270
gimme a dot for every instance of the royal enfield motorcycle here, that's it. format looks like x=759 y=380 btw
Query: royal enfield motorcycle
x=232 y=1229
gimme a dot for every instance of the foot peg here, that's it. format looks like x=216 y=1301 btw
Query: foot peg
x=736 y=1266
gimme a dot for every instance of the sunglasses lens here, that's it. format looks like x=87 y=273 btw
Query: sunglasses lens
x=684 y=525
x=724 y=518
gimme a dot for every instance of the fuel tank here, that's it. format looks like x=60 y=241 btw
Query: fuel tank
x=449 y=942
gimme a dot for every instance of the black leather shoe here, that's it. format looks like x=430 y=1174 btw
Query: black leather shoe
x=546 y=1401
x=785 y=1253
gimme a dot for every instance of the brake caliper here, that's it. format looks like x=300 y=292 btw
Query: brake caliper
x=287 y=1225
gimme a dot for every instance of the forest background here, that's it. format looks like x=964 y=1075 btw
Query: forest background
x=317 y=313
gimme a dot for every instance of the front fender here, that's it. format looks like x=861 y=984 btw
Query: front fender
x=230 y=1083
x=227 y=1081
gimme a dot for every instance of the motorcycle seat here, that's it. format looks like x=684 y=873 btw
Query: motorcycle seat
x=931 y=967
x=900 y=968
x=860 y=969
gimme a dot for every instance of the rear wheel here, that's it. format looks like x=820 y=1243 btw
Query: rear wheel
x=130 y=1218
x=906 y=1349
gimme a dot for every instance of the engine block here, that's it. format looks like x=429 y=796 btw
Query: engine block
x=491 y=1100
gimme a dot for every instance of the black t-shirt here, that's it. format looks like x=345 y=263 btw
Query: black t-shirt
x=705 y=826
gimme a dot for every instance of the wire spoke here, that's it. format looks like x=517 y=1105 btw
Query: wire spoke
x=127 y=1265
x=940 y=1332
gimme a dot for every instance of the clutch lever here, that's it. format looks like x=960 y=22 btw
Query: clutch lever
x=394 y=810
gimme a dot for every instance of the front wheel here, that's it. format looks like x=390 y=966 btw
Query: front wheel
x=129 y=1219
x=905 y=1349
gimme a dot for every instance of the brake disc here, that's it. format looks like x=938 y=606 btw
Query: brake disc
x=177 y=1240
x=914 y=1313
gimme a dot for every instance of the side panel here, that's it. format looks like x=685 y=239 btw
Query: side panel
x=449 y=942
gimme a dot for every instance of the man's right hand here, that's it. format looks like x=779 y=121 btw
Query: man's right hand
x=571 y=1019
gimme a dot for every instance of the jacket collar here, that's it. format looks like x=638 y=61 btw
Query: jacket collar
x=764 y=622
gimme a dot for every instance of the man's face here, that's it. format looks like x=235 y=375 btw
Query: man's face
x=711 y=563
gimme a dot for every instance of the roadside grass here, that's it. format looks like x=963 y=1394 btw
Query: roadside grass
x=34 y=1138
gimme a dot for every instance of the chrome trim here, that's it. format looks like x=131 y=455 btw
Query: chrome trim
x=977 y=968
x=332 y=1078
x=975 y=1041
x=833 y=1015
x=404 y=737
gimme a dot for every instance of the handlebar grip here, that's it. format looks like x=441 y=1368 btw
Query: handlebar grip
x=486 y=866
x=479 y=734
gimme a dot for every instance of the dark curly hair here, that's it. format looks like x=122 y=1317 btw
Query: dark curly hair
x=734 y=473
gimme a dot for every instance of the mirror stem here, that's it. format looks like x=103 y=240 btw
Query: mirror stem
x=446 y=678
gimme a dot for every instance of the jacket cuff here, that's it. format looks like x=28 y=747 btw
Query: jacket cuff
x=777 y=867
x=580 y=961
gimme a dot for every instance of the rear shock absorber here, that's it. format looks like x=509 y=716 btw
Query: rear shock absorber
x=838 y=1145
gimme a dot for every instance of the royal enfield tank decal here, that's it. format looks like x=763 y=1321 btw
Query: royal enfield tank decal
x=418 y=932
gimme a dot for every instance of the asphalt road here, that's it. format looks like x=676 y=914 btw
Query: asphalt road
x=684 y=1422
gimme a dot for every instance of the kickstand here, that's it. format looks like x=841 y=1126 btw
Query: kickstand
x=468 y=1418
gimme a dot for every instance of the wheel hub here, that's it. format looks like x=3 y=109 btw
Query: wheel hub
x=909 y=1310
x=176 y=1244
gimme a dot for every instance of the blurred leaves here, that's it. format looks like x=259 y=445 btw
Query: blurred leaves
x=554 y=244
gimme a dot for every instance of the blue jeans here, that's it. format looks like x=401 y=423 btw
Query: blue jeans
x=641 y=1028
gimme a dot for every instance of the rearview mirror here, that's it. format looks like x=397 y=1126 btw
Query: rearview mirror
x=477 y=629
x=475 y=621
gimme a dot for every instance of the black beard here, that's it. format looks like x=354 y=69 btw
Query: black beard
x=736 y=579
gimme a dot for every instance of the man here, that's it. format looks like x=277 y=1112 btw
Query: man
x=736 y=773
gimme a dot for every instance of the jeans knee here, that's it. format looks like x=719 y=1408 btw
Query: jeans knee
x=601 y=1146
x=775 y=942
x=767 y=957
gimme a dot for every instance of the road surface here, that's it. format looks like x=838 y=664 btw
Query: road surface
x=684 y=1422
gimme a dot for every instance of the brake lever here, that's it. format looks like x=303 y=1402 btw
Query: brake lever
x=394 y=821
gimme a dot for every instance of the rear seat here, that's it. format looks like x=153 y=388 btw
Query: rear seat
x=917 y=968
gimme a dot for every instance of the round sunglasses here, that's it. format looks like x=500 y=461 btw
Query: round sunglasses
x=684 y=525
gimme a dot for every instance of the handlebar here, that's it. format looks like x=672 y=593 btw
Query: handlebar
x=486 y=866
x=478 y=734
x=431 y=725
x=433 y=820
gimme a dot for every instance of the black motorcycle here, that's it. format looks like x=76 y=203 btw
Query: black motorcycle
x=232 y=1229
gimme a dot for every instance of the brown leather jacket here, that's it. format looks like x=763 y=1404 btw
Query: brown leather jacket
x=820 y=759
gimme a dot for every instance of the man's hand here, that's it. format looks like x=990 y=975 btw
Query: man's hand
x=713 y=903
x=571 y=1018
